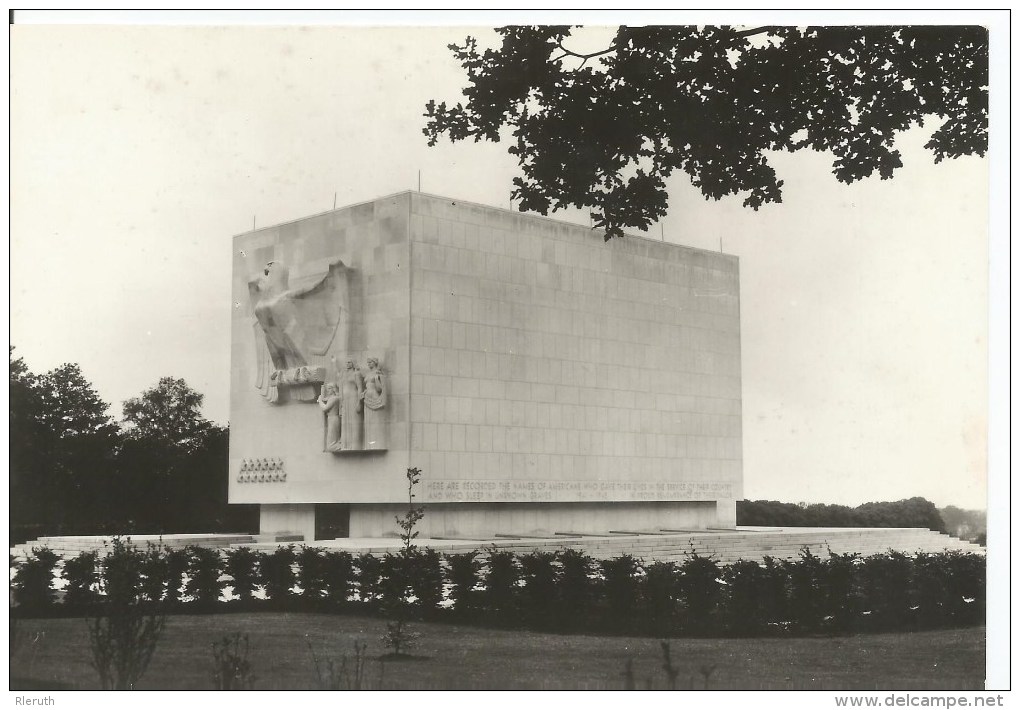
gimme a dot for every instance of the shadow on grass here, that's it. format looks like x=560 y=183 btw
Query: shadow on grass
x=401 y=658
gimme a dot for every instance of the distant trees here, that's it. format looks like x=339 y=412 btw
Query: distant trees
x=909 y=513
x=168 y=414
x=965 y=524
x=171 y=450
x=74 y=470
x=62 y=442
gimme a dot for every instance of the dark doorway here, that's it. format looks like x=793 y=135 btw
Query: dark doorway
x=332 y=520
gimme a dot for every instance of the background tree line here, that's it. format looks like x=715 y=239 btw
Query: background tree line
x=75 y=470
x=909 y=513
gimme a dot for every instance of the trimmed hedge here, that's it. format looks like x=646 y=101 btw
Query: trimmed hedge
x=563 y=591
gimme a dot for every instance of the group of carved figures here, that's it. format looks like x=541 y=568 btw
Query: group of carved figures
x=353 y=407
x=259 y=470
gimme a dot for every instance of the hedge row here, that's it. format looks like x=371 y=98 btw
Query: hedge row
x=563 y=591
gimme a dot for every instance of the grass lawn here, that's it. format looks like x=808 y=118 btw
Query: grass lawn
x=54 y=653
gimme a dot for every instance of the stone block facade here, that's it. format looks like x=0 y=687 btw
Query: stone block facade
x=542 y=379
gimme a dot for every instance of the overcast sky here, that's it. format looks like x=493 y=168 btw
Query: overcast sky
x=137 y=153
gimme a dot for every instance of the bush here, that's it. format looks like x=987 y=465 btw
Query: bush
x=204 y=569
x=499 y=596
x=746 y=606
x=807 y=596
x=394 y=580
x=369 y=574
x=577 y=589
x=243 y=567
x=775 y=593
x=699 y=592
x=177 y=563
x=967 y=580
x=931 y=590
x=231 y=667
x=33 y=585
x=842 y=596
x=82 y=575
x=884 y=582
x=464 y=571
x=539 y=595
x=427 y=578
x=660 y=592
x=338 y=576
x=311 y=572
x=277 y=572
x=343 y=673
x=124 y=635
x=621 y=583
x=153 y=567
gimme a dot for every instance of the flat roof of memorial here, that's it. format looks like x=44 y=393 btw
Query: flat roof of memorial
x=530 y=215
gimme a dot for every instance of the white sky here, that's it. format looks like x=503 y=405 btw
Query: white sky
x=137 y=152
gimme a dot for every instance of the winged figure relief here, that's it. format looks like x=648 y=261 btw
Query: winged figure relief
x=295 y=327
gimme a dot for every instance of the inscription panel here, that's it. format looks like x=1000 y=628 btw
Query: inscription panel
x=490 y=491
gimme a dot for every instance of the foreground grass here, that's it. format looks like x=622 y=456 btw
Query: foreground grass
x=54 y=653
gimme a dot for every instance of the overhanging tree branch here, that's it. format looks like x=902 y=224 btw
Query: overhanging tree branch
x=673 y=98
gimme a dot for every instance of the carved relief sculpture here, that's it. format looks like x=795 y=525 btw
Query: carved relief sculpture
x=375 y=402
x=293 y=326
x=352 y=392
x=329 y=402
x=260 y=471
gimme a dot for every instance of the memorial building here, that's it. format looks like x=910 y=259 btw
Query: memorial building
x=543 y=380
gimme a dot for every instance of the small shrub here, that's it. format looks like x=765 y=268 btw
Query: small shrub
x=967 y=582
x=311 y=572
x=231 y=667
x=277 y=572
x=501 y=577
x=538 y=598
x=842 y=598
x=931 y=590
x=338 y=576
x=124 y=634
x=33 y=585
x=427 y=578
x=404 y=572
x=205 y=566
x=621 y=584
x=177 y=563
x=775 y=593
x=82 y=575
x=399 y=637
x=243 y=567
x=344 y=673
x=807 y=596
x=700 y=593
x=745 y=604
x=153 y=566
x=577 y=589
x=394 y=580
x=369 y=574
x=660 y=591
x=464 y=577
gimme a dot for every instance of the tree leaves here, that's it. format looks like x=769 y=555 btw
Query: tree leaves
x=170 y=413
x=605 y=130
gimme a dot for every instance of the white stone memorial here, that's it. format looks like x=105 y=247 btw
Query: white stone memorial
x=542 y=379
